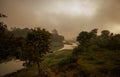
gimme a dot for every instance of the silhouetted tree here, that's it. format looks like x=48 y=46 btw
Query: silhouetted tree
x=83 y=38
x=114 y=42
x=105 y=34
x=6 y=42
x=38 y=40
x=93 y=33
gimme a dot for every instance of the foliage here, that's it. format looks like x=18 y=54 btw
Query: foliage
x=91 y=41
x=98 y=62
x=55 y=39
x=98 y=53
x=38 y=42
x=84 y=37
x=6 y=42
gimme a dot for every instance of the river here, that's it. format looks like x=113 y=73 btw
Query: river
x=14 y=65
x=67 y=46
x=10 y=66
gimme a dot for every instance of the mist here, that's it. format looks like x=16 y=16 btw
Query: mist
x=69 y=17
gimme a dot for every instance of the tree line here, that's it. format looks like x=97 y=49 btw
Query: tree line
x=91 y=41
x=29 y=45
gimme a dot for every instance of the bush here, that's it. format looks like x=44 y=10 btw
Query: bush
x=68 y=60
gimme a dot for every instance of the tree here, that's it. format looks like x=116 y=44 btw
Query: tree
x=93 y=33
x=83 y=38
x=105 y=34
x=104 y=38
x=38 y=41
x=8 y=46
x=3 y=28
x=114 y=42
x=6 y=42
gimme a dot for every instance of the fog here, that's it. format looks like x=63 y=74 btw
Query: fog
x=69 y=17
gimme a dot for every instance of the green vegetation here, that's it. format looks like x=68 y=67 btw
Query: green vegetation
x=6 y=43
x=99 y=55
x=38 y=44
x=53 y=61
x=55 y=38
x=99 y=61
x=95 y=56
x=29 y=45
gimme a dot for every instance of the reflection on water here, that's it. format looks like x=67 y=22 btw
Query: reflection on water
x=10 y=66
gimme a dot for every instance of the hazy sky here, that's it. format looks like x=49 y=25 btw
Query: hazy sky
x=69 y=17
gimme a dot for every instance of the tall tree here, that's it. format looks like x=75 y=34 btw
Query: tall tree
x=93 y=33
x=39 y=41
x=83 y=38
x=6 y=42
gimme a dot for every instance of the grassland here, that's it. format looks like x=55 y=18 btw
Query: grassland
x=90 y=64
x=51 y=60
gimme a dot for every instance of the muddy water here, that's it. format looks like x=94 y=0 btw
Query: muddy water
x=14 y=65
x=10 y=66
x=66 y=46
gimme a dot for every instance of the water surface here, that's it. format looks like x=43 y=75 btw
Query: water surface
x=10 y=66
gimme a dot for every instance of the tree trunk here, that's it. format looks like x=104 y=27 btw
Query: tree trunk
x=39 y=70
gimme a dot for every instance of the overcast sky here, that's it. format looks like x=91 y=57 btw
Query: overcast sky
x=69 y=17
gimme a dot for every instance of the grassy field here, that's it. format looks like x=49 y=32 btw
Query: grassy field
x=100 y=64
x=51 y=60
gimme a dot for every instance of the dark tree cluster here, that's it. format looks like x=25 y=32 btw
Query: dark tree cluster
x=91 y=41
x=6 y=42
x=30 y=48
x=29 y=45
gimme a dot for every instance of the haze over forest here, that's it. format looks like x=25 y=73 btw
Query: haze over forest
x=69 y=17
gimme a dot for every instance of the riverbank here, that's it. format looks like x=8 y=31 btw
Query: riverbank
x=10 y=66
x=50 y=62
x=61 y=63
x=26 y=72
x=88 y=64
